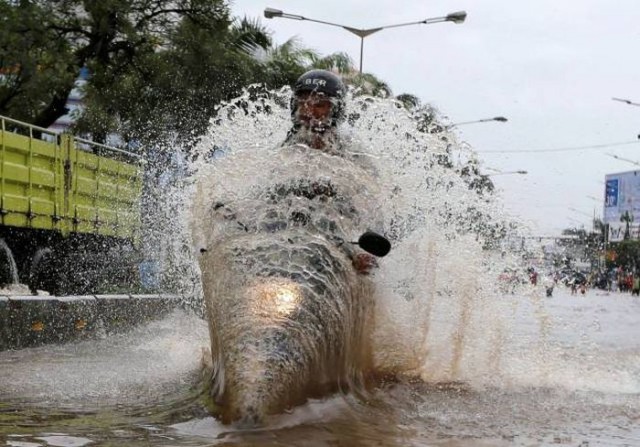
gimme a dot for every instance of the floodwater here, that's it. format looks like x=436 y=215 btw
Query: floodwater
x=581 y=388
x=480 y=366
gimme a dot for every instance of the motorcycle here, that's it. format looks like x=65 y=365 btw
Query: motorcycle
x=289 y=316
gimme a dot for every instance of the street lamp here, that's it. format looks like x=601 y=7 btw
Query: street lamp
x=455 y=17
x=592 y=217
x=631 y=103
x=627 y=101
x=500 y=119
x=623 y=159
x=521 y=172
x=579 y=212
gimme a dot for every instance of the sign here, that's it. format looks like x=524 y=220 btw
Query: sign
x=617 y=230
x=611 y=192
x=622 y=199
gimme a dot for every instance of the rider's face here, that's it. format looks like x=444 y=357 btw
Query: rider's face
x=314 y=109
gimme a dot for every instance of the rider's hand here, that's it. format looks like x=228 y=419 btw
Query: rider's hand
x=364 y=262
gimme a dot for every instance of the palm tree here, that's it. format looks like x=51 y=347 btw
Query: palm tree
x=248 y=35
x=283 y=64
x=627 y=218
x=367 y=84
x=337 y=62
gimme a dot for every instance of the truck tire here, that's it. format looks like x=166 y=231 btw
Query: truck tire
x=44 y=274
x=8 y=269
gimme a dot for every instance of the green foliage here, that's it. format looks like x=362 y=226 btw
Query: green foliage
x=249 y=35
x=627 y=218
x=34 y=64
x=410 y=102
x=158 y=68
x=368 y=84
x=122 y=42
x=171 y=93
x=627 y=254
x=476 y=181
x=283 y=64
x=340 y=62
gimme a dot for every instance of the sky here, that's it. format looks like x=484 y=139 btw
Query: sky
x=550 y=67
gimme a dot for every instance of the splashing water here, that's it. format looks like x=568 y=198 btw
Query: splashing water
x=497 y=368
x=10 y=269
x=436 y=291
x=259 y=202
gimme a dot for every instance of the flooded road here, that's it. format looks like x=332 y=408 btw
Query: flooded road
x=568 y=374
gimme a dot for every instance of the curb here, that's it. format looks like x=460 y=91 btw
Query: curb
x=28 y=320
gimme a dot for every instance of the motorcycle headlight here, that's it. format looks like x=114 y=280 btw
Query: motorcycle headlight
x=277 y=299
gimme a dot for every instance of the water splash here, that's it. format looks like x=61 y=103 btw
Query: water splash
x=9 y=268
x=147 y=366
x=528 y=365
x=438 y=313
x=289 y=316
x=398 y=180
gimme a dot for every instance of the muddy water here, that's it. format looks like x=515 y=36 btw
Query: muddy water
x=486 y=369
x=569 y=374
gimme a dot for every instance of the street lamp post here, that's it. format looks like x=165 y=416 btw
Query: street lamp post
x=500 y=119
x=631 y=103
x=623 y=159
x=455 y=17
x=579 y=212
x=521 y=172
x=627 y=101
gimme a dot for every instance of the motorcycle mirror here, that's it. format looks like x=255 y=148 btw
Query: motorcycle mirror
x=374 y=243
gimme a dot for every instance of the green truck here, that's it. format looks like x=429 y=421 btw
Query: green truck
x=69 y=211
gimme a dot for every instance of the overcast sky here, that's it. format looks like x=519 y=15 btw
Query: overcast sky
x=551 y=67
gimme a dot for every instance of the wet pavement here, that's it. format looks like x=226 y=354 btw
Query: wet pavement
x=569 y=374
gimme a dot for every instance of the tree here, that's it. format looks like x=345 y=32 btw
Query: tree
x=170 y=94
x=627 y=218
x=409 y=101
x=368 y=84
x=282 y=64
x=628 y=254
x=113 y=38
x=428 y=119
x=36 y=67
x=174 y=93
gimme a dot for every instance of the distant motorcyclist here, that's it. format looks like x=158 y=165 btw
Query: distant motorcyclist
x=317 y=108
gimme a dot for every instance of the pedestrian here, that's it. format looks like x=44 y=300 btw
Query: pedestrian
x=635 y=290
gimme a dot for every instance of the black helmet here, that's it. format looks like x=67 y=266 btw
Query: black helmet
x=324 y=82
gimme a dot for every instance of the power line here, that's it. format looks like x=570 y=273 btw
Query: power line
x=561 y=149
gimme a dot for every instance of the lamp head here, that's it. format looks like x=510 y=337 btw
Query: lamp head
x=270 y=13
x=456 y=17
x=501 y=119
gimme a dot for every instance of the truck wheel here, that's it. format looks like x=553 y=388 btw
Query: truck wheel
x=8 y=269
x=43 y=274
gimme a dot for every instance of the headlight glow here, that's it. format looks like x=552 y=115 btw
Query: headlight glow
x=277 y=299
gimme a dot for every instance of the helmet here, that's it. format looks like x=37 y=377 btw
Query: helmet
x=322 y=82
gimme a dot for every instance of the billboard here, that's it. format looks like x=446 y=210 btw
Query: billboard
x=622 y=203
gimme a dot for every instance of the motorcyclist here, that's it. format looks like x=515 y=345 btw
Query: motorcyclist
x=317 y=108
